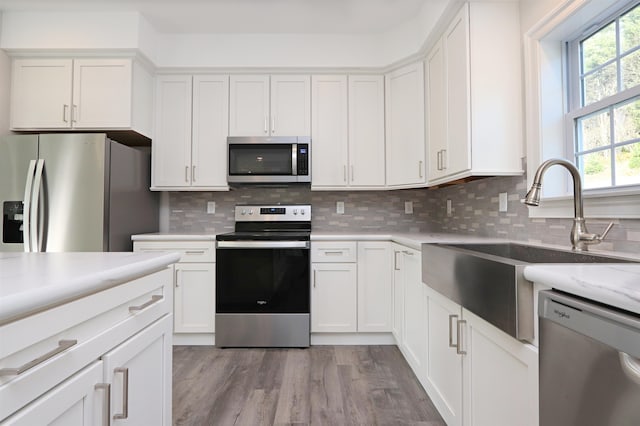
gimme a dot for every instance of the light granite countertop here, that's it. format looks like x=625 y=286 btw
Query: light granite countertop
x=31 y=282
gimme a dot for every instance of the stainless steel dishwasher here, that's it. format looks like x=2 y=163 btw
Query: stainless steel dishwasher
x=589 y=363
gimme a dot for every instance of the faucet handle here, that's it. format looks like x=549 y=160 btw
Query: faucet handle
x=606 y=231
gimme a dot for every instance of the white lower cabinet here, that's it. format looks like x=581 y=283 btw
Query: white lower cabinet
x=333 y=297
x=194 y=298
x=75 y=402
x=194 y=287
x=476 y=374
x=414 y=338
x=139 y=372
x=351 y=287
x=104 y=359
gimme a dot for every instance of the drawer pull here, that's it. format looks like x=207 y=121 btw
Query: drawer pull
x=106 y=408
x=62 y=346
x=459 y=335
x=125 y=393
x=154 y=299
x=194 y=252
x=451 y=344
x=333 y=253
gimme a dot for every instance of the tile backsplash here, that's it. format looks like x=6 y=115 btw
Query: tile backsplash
x=475 y=211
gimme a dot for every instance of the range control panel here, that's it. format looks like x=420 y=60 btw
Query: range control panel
x=273 y=213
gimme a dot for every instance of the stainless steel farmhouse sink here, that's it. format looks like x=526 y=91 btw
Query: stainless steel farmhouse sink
x=488 y=280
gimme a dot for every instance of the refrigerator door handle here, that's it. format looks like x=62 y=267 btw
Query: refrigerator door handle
x=26 y=209
x=35 y=199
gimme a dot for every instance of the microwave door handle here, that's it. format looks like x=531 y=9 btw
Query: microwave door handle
x=35 y=200
x=294 y=159
x=26 y=207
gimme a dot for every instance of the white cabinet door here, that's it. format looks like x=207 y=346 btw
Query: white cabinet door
x=443 y=370
x=195 y=298
x=366 y=130
x=249 y=105
x=171 y=146
x=74 y=402
x=374 y=286
x=210 y=129
x=329 y=131
x=500 y=377
x=139 y=371
x=405 y=145
x=41 y=93
x=457 y=70
x=334 y=297
x=398 y=294
x=436 y=112
x=414 y=336
x=290 y=105
x=102 y=93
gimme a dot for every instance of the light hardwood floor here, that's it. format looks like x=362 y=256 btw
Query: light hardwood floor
x=321 y=385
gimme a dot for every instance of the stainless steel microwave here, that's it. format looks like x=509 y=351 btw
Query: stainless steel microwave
x=263 y=159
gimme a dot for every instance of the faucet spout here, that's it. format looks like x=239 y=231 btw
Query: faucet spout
x=580 y=237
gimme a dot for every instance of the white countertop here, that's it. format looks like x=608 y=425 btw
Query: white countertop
x=613 y=284
x=31 y=282
x=163 y=236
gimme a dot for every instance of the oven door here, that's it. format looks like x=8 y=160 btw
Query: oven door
x=262 y=277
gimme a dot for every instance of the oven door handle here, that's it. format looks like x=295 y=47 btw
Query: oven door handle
x=263 y=244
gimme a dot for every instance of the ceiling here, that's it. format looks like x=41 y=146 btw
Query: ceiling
x=247 y=16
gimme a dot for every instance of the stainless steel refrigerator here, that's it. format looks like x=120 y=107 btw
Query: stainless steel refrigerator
x=73 y=192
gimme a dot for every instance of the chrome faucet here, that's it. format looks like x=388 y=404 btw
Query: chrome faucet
x=580 y=237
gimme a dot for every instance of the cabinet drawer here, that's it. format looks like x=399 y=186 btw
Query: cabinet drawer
x=190 y=251
x=81 y=330
x=333 y=252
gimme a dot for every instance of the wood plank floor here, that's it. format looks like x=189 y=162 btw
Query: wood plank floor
x=321 y=385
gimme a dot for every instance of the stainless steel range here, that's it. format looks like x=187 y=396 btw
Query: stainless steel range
x=263 y=278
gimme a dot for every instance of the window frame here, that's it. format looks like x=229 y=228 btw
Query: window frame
x=577 y=110
x=547 y=100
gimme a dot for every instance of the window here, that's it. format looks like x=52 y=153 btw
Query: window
x=604 y=102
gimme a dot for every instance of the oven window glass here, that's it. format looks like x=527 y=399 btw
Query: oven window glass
x=260 y=159
x=262 y=280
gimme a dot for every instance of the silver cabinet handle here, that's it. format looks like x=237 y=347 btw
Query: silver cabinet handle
x=178 y=278
x=314 y=278
x=444 y=159
x=265 y=124
x=154 y=299
x=439 y=160
x=74 y=114
x=451 y=344
x=186 y=174
x=420 y=168
x=459 y=337
x=194 y=252
x=395 y=260
x=333 y=253
x=106 y=408
x=62 y=346
x=344 y=172
x=193 y=173
x=353 y=176
x=125 y=393
x=65 y=110
x=273 y=124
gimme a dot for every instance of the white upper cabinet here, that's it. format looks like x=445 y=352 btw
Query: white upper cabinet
x=366 y=131
x=262 y=105
x=189 y=148
x=348 y=132
x=81 y=94
x=405 y=126
x=329 y=134
x=474 y=107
